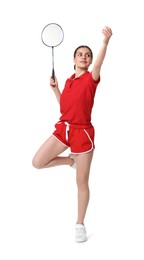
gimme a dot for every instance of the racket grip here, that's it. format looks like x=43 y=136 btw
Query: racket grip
x=53 y=74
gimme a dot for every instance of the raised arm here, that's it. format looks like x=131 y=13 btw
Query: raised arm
x=107 y=32
x=55 y=88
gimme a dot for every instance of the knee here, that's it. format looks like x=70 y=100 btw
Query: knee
x=36 y=164
x=82 y=184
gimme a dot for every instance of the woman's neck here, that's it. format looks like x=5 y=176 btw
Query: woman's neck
x=78 y=73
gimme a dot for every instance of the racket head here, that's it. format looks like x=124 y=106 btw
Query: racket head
x=52 y=35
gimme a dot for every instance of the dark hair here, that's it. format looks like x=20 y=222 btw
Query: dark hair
x=83 y=46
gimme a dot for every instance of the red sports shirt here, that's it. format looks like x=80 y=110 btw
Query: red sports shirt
x=77 y=99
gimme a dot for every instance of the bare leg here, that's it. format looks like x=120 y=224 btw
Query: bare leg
x=83 y=168
x=47 y=155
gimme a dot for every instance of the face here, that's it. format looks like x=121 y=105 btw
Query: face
x=83 y=58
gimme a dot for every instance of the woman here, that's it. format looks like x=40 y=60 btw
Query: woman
x=74 y=129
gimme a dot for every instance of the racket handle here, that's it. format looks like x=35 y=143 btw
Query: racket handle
x=53 y=74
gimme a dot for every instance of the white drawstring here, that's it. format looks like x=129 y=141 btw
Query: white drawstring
x=67 y=129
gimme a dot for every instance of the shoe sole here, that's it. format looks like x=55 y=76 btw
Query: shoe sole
x=81 y=241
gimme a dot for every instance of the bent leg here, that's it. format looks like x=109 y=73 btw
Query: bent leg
x=47 y=155
x=83 y=169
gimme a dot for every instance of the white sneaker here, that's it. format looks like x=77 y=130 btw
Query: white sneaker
x=73 y=156
x=80 y=233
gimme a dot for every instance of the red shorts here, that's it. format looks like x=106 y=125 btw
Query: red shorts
x=80 y=139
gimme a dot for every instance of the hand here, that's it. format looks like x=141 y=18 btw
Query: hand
x=53 y=83
x=107 y=32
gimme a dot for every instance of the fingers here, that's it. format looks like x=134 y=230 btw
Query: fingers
x=107 y=31
x=53 y=82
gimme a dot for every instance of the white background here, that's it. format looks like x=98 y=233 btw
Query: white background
x=38 y=208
